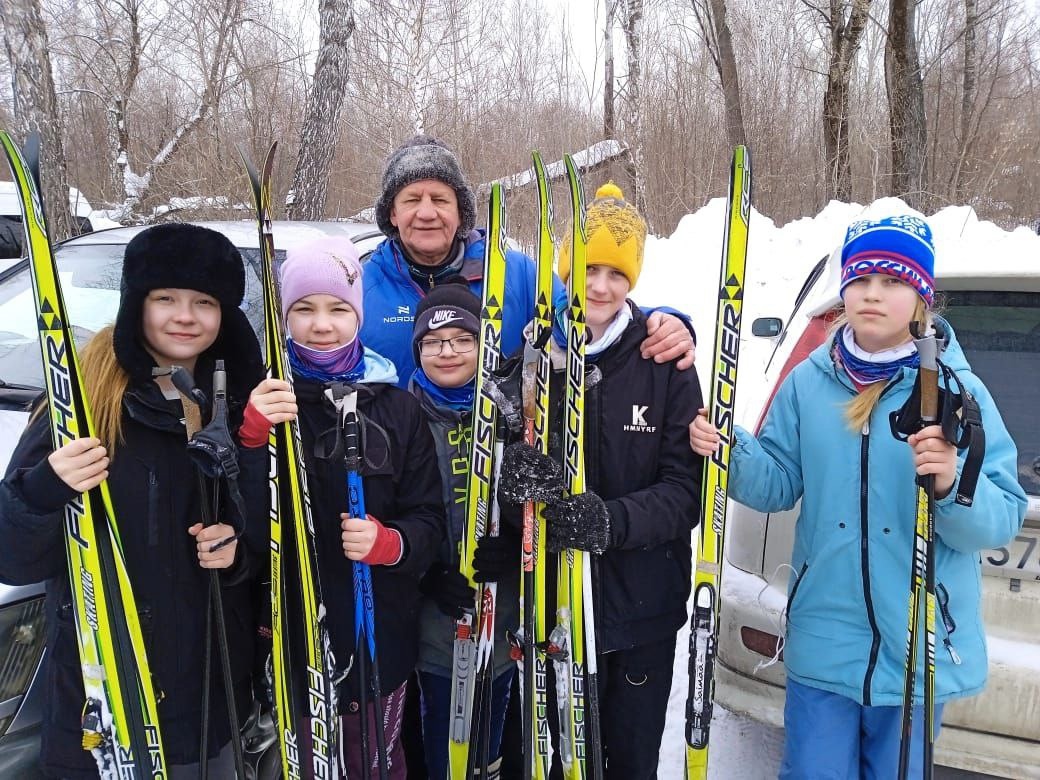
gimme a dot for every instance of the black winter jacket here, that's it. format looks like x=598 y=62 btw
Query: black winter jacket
x=452 y=434
x=155 y=496
x=403 y=490
x=638 y=459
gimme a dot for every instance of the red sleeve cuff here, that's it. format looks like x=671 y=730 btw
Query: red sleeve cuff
x=387 y=548
x=255 y=428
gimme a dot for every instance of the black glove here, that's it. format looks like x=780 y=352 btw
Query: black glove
x=580 y=522
x=449 y=589
x=528 y=475
x=496 y=557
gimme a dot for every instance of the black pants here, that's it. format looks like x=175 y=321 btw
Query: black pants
x=633 y=690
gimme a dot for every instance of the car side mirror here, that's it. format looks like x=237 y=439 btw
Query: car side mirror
x=767 y=327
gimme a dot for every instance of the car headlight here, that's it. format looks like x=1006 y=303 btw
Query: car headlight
x=22 y=637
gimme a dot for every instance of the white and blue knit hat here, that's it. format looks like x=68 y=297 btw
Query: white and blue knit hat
x=899 y=246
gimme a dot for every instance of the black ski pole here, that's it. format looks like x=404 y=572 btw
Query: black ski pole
x=213 y=452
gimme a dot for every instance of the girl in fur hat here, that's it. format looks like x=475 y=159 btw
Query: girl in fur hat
x=321 y=292
x=179 y=305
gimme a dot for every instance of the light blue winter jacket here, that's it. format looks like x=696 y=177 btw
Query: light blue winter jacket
x=848 y=598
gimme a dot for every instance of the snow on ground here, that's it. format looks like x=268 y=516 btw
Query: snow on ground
x=682 y=271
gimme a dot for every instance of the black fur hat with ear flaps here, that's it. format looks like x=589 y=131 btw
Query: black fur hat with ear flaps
x=188 y=257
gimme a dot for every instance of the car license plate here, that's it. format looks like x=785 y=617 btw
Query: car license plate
x=1019 y=560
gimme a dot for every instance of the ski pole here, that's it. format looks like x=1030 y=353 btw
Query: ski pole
x=207 y=475
x=345 y=400
x=922 y=583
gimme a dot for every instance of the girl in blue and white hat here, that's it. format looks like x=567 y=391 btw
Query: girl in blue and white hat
x=827 y=442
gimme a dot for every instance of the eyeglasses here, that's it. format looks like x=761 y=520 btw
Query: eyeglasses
x=459 y=345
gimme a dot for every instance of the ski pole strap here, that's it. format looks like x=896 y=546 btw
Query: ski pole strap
x=211 y=448
x=959 y=416
x=963 y=427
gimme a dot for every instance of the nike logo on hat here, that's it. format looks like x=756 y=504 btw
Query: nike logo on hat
x=443 y=317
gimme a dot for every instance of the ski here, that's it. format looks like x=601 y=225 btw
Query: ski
x=304 y=677
x=704 y=622
x=922 y=577
x=531 y=637
x=580 y=747
x=474 y=632
x=120 y=715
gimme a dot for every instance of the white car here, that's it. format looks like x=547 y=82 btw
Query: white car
x=89 y=267
x=994 y=308
x=86 y=220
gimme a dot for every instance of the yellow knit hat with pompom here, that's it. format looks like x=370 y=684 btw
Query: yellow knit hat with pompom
x=615 y=232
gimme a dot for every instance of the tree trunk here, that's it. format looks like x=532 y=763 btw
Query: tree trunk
x=324 y=104
x=845 y=35
x=727 y=62
x=968 y=92
x=633 y=99
x=608 y=69
x=715 y=32
x=119 y=132
x=36 y=105
x=908 y=132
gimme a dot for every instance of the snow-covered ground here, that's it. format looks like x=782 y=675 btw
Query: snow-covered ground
x=682 y=271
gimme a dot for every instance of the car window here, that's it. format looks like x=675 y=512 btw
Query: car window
x=89 y=276
x=1000 y=335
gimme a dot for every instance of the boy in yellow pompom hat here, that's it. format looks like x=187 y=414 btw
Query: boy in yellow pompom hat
x=615 y=234
x=642 y=496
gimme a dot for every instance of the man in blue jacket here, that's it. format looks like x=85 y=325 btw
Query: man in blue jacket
x=428 y=213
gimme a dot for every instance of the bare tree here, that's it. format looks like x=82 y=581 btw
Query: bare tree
x=159 y=76
x=844 y=23
x=632 y=26
x=609 y=7
x=968 y=92
x=907 y=128
x=36 y=104
x=711 y=18
x=324 y=106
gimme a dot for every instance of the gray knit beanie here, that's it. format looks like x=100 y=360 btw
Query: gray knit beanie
x=418 y=158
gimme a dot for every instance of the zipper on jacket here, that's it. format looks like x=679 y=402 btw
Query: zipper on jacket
x=794 y=592
x=875 y=642
x=942 y=598
x=153 y=510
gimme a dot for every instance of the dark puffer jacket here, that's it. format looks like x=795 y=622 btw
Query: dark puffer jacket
x=638 y=459
x=403 y=490
x=156 y=499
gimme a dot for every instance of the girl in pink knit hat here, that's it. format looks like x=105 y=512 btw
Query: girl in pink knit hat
x=321 y=292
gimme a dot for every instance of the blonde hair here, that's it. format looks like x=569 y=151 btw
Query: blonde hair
x=104 y=382
x=859 y=409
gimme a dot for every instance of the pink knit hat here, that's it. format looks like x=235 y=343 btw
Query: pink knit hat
x=330 y=265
